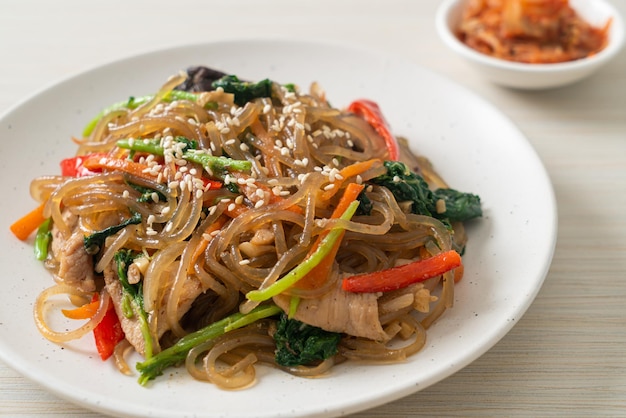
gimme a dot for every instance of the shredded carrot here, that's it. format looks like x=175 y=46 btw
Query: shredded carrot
x=215 y=226
x=319 y=274
x=347 y=172
x=27 y=224
x=85 y=311
x=121 y=164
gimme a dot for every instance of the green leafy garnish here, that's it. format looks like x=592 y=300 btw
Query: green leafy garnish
x=244 y=91
x=408 y=186
x=298 y=343
x=94 y=242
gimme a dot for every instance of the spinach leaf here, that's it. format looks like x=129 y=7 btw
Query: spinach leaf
x=298 y=343
x=146 y=193
x=408 y=186
x=459 y=206
x=244 y=91
x=132 y=297
x=94 y=242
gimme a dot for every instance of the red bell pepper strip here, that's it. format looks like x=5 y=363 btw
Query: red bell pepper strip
x=404 y=275
x=371 y=113
x=108 y=332
x=74 y=167
x=214 y=184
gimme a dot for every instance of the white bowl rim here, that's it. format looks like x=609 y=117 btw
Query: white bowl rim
x=616 y=42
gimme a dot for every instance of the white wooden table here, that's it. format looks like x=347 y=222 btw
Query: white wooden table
x=567 y=355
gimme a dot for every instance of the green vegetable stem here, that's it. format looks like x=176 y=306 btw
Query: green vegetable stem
x=153 y=367
x=42 y=239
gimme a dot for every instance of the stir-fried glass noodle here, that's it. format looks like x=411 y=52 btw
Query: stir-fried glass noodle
x=221 y=224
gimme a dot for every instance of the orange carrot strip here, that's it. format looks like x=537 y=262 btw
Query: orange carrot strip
x=27 y=224
x=351 y=170
x=85 y=311
x=215 y=226
x=120 y=164
x=319 y=274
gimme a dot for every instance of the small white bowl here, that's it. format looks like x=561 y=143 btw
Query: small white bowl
x=534 y=76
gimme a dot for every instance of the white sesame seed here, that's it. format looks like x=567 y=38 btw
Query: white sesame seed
x=125 y=194
x=244 y=262
x=150 y=220
x=230 y=142
x=239 y=200
x=155 y=197
x=267 y=108
x=243 y=147
x=193 y=171
x=150 y=231
x=272 y=182
x=259 y=204
x=260 y=193
x=173 y=184
x=231 y=207
x=165 y=210
x=359 y=179
x=168 y=227
x=199 y=194
x=396 y=179
x=329 y=186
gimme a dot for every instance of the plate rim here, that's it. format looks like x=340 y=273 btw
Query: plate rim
x=376 y=400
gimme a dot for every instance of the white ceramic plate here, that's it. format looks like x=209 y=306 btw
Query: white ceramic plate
x=473 y=145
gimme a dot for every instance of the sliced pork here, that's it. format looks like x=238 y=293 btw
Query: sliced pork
x=340 y=311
